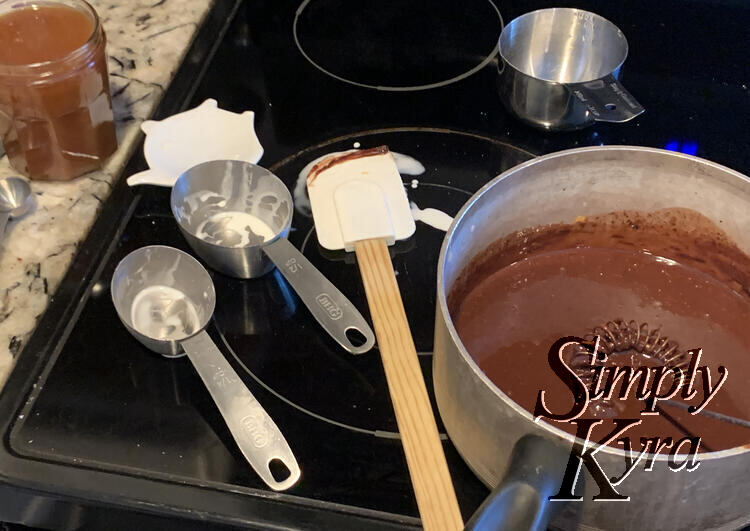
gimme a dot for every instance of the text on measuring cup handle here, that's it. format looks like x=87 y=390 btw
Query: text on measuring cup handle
x=255 y=426
x=293 y=266
x=329 y=306
x=223 y=377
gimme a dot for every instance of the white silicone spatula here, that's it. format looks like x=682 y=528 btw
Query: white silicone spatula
x=359 y=203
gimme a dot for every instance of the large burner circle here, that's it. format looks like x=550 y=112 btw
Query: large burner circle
x=275 y=339
x=398 y=45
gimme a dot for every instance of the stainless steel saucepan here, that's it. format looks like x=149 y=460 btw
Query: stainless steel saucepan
x=487 y=427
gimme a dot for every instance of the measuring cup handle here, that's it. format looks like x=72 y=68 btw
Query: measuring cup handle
x=607 y=100
x=328 y=305
x=254 y=431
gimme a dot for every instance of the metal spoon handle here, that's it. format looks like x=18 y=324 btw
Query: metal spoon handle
x=3 y=222
x=328 y=305
x=256 y=434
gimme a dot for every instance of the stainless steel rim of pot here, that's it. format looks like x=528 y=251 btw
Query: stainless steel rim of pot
x=443 y=305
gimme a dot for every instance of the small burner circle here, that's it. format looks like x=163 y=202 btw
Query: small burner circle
x=399 y=46
x=278 y=344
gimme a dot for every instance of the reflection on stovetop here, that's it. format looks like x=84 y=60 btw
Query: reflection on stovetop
x=108 y=403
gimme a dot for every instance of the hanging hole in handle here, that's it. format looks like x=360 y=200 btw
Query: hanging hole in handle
x=279 y=470
x=355 y=337
x=610 y=106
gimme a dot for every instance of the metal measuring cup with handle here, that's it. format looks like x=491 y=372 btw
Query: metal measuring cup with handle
x=236 y=216
x=15 y=199
x=560 y=70
x=165 y=298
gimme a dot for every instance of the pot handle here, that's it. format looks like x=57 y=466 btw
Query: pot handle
x=607 y=100
x=520 y=502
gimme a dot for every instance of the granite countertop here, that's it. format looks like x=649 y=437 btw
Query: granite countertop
x=146 y=42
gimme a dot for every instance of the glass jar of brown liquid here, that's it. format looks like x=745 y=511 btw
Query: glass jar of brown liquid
x=56 y=118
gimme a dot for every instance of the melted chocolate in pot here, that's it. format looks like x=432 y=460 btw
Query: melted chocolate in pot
x=672 y=269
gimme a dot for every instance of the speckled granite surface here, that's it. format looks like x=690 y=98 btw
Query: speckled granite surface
x=146 y=43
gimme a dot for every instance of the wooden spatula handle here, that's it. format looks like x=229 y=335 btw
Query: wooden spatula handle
x=432 y=484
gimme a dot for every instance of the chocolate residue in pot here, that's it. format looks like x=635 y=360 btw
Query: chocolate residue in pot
x=681 y=234
x=673 y=269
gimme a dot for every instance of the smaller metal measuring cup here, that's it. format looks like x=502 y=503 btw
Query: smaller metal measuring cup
x=236 y=216
x=165 y=298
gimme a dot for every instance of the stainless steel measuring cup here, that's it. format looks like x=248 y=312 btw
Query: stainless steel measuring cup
x=560 y=69
x=166 y=298
x=236 y=216
x=15 y=200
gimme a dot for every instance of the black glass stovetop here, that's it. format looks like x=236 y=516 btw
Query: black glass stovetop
x=324 y=76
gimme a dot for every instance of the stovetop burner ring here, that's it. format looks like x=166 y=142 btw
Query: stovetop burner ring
x=393 y=88
x=441 y=169
x=385 y=434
